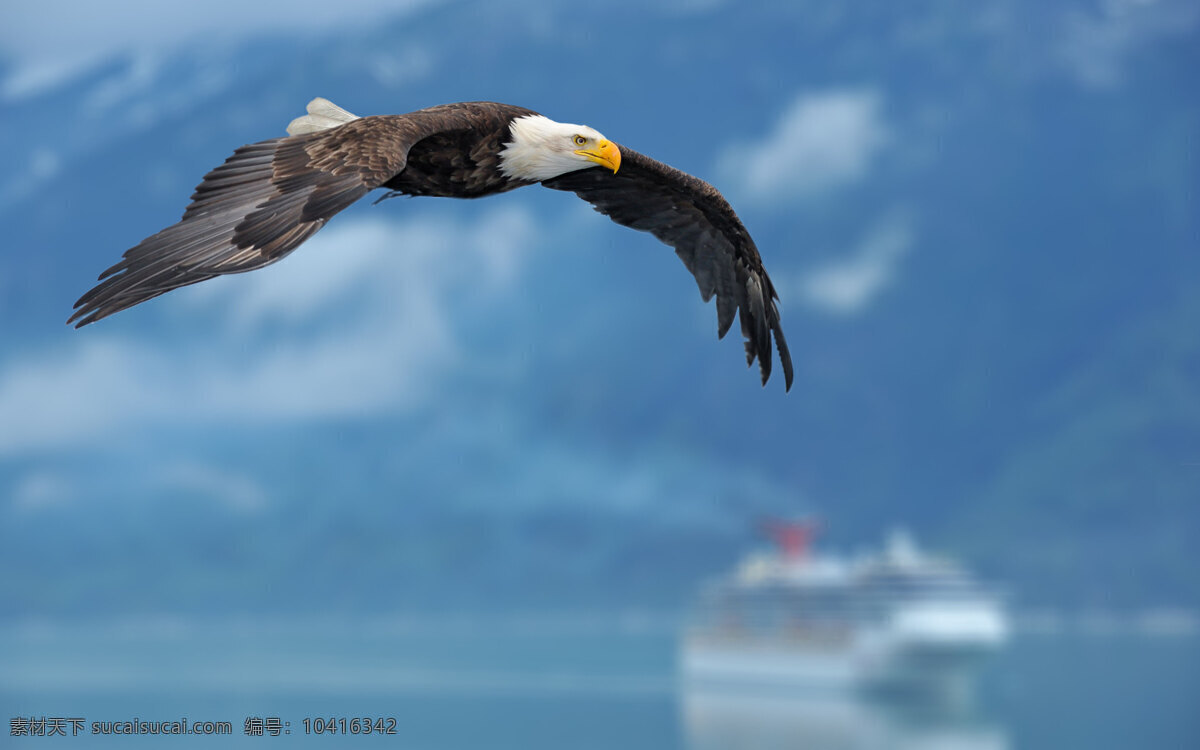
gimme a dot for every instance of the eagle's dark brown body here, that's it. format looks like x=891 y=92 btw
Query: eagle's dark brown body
x=461 y=163
x=271 y=196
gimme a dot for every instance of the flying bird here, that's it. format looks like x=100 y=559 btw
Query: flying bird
x=271 y=196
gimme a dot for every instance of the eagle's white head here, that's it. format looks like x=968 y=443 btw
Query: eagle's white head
x=542 y=148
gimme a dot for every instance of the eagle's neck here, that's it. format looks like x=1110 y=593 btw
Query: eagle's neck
x=538 y=149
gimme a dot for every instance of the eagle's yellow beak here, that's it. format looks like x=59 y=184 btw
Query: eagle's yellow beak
x=606 y=154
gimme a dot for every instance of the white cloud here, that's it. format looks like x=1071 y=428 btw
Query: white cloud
x=395 y=265
x=237 y=491
x=1095 y=44
x=138 y=76
x=360 y=324
x=42 y=165
x=39 y=490
x=76 y=395
x=400 y=67
x=822 y=141
x=847 y=286
x=50 y=40
x=38 y=73
x=526 y=470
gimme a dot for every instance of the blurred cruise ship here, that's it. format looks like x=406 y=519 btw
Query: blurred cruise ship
x=895 y=623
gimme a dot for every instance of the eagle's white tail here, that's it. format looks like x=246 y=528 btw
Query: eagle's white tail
x=322 y=115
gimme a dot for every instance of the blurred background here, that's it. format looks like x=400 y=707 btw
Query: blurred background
x=467 y=464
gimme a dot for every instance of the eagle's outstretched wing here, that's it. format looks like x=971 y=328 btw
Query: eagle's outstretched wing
x=261 y=204
x=691 y=216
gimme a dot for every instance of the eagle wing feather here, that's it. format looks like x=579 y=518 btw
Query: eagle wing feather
x=262 y=203
x=691 y=216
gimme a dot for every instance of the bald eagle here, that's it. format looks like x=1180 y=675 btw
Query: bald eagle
x=271 y=196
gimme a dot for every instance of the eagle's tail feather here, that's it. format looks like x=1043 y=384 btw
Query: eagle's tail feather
x=322 y=115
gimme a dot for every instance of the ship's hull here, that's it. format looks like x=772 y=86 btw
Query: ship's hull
x=870 y=663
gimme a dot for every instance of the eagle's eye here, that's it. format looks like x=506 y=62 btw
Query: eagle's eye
x=580 y=140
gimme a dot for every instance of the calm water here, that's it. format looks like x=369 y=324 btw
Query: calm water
x=563 y=682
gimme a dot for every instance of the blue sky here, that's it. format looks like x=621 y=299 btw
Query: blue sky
x=970 y=214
